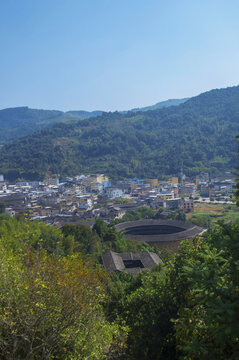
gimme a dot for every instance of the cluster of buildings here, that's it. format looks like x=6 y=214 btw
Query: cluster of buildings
x=87 y=197
x=220 y=187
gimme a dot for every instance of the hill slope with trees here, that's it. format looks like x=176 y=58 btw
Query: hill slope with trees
x=198 y=134
x=21 y=121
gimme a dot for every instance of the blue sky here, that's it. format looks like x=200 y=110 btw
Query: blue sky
x=115 y=54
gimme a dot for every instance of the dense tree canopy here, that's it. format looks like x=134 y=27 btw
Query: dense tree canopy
x=188 y=308
x=22 y=121
x=56 y=301
x=50 y=304
x=237 y=183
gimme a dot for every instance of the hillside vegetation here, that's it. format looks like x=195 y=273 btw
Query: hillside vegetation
x=22 y=121
x=198 y=134
x=56 y=302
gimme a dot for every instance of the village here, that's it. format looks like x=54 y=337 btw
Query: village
x=87 y=197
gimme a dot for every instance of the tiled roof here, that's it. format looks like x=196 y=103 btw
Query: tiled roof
x=188 y=230
x=113 y=261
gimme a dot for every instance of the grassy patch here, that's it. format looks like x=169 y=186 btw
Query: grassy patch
x=216 y=212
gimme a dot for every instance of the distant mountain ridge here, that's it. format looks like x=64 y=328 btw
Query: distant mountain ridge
x=22 y=121
x=198 y=134
x=161 y=105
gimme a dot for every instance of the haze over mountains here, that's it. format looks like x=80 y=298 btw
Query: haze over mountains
x=161 y=105
x=198 y=134
x=20 y=121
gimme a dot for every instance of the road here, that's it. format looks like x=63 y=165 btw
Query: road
x=208 y=201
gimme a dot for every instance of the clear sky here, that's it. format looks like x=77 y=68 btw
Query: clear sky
x=115 y=54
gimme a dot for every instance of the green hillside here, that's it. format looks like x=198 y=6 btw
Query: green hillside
x=22 y=121
x=200 y=134
x=17 y=122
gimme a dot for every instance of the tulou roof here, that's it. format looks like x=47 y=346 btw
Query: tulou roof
x=167 y=230
x=131 y=263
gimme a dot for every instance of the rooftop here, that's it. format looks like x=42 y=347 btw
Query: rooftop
x=131 y=263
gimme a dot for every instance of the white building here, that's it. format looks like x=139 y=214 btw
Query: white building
x=10 y=212
x=114 y=193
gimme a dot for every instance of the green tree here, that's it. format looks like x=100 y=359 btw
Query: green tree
x=204 y=221
x=100 y=227
x=50 y=308
x=237 y=184
x=80 y=238
x=207 y=323
x=188 y=308
x=2 y=207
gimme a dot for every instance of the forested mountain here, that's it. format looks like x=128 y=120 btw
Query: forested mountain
x=198 y=134
x=22 y=121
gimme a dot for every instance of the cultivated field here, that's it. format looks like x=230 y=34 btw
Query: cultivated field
x=215 y=212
